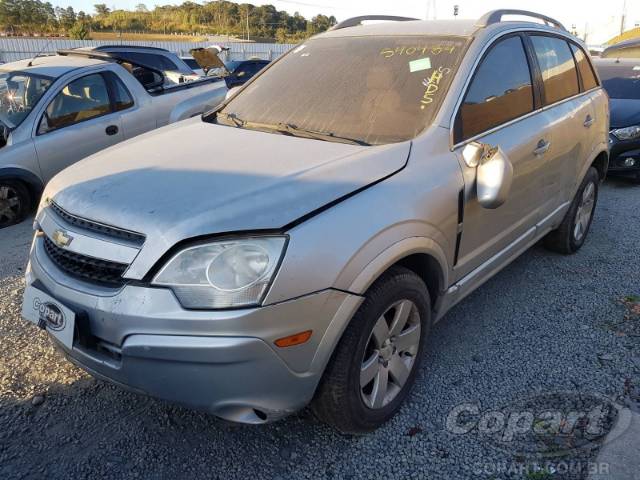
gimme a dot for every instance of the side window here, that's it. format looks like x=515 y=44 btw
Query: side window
x=80 y=100
x=191 y=63
x=159 y=62
x=501 y=90
x=121 y=97
x=589 y=80
x=558 y=68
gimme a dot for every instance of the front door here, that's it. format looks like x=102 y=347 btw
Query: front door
x=79 y=121
x=498 y=110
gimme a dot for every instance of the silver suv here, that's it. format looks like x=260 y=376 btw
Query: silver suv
x=296 y=245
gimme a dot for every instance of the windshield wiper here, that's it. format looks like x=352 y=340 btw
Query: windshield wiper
x=288 y=129
x=327 y=136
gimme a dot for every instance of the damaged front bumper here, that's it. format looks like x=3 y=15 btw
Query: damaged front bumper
x=224 y=362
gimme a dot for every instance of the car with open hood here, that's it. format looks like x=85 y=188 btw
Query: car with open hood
x=296 y=244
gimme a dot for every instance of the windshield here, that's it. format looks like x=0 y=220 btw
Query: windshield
x=371 y=90
x=621 y=82
x=19 y=94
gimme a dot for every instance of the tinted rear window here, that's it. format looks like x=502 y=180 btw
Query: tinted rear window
x=558 y=68
x=584 y=66
x=159 y=62
x=191 y=63
x=374 y=89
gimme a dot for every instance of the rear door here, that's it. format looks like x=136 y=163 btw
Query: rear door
x=596 y=117
x=571 y=113
x=79 y=121
x=501 y=107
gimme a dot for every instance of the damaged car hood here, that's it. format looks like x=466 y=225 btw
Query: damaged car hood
x=195 y=178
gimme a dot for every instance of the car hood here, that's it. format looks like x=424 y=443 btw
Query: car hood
x=194 y=178
x=624 y=112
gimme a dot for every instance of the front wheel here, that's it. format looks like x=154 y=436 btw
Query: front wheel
x=569 y=237
x=15 y=202
x=375 y=364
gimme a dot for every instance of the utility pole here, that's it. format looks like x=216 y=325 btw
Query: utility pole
x=248 y=23
x=624 y=16
x=432 y=13
x=586 y=32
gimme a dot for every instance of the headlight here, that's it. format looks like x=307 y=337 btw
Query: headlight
x=628 y=133
x=223 y=274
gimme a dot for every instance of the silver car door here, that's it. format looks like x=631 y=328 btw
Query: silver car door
x=499 y=109
x=571 y=114
x=79 y=121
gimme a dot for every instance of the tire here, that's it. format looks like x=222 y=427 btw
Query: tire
x=15 y=202
x=569 y=237
x=341 y=401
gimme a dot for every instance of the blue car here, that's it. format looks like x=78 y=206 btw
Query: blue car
x=621 y=80
x=243 y=70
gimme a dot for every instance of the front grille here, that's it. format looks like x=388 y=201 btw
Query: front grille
x=90 y=225
x=86 y=268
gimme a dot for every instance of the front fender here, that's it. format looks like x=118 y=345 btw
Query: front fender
x=396 y=252
x=372 y=271
x=19 y=161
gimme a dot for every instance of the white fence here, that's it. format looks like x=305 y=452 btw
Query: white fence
x=12 y=49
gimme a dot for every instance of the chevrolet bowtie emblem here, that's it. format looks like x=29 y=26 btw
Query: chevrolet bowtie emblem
x=62 y=238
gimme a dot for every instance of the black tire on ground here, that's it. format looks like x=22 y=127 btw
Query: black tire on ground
x=340 y=398
x=15 y=202
x=565 y=238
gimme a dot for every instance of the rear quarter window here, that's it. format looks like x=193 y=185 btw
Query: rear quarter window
x=589 y=80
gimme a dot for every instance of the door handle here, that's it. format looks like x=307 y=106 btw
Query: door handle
x=111 y=130
x=542 y=148
x=588 y=121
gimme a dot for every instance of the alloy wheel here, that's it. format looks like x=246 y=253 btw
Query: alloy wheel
x=390 y=354
x=584 y=212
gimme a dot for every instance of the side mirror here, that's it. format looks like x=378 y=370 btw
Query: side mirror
x=494 y=173
x=232 y=92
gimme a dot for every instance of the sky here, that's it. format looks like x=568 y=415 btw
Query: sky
x=601 y=19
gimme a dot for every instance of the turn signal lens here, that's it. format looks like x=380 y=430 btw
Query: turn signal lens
x=292 y=340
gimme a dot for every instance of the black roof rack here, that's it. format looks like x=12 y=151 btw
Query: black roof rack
x=495 y=16
x=355 y=21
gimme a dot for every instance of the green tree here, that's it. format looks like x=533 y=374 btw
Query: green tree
x=220 y=17
x=66 y=17
x=79 y=32
x=101 y=9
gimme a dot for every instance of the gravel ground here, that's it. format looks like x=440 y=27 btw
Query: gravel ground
x=545 y=324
